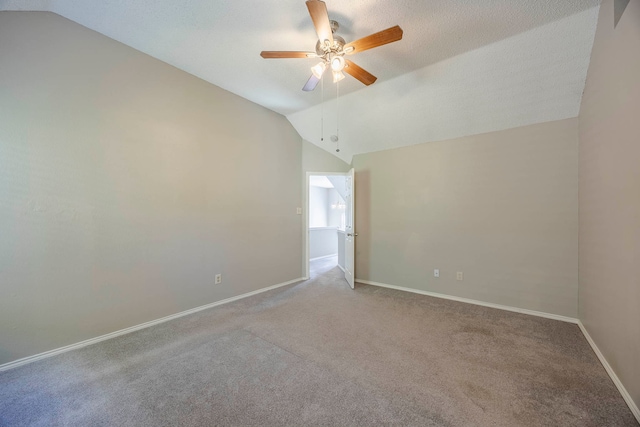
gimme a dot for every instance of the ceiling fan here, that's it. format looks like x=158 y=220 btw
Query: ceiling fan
x=332 y=48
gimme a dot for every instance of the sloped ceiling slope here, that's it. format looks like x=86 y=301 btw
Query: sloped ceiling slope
x=463 y=66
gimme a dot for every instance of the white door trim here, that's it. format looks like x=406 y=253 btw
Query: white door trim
x=350 y=229
x=305 y=223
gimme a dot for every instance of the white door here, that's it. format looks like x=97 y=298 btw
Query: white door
x=350 y=230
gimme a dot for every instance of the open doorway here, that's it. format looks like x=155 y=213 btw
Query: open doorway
x=325 y=222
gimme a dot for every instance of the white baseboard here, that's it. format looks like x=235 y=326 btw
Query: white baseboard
x=323 y=257
x=341 y=268
x=50 y=353
x=623 y=391
x=625 y=394
x=473 y=301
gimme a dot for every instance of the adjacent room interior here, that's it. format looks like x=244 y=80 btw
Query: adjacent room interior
x=326 y=212
x=443 y=230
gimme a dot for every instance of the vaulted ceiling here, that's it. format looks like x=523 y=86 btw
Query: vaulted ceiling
x=463 y=67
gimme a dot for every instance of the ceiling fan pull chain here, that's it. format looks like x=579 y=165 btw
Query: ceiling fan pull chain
x=338 y=109
x=322 y=109
x=337 y=117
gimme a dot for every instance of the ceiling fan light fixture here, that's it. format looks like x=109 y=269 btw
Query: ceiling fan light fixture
x=337 y=76
x=337 y=63
x=318 y=69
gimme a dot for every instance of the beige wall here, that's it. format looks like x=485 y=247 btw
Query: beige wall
x=315 y=159
x=501 y=207
x=126 y=185
x=609 y=132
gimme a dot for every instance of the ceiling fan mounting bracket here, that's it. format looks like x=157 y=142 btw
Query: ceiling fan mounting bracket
x=334 y=26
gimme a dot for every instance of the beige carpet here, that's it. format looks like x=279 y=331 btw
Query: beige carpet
x=319 y=353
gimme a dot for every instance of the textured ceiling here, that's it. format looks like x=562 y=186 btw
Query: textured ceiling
x=463 y=66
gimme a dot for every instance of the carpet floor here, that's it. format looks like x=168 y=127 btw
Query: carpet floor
x=318 y=353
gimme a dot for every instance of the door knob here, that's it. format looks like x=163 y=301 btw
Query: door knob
x=353 y=235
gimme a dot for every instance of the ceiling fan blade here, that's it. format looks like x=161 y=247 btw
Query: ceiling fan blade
x=359 y=73
x=383 y=37
x=268 y=54
x=311 y=83
x=320 y=18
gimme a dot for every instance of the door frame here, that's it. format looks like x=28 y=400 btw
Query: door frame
x=305 y=224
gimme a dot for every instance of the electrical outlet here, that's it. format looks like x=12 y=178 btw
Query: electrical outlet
x=459 y=275
x=218 y=279
x=436 y=273
x=299 y=211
